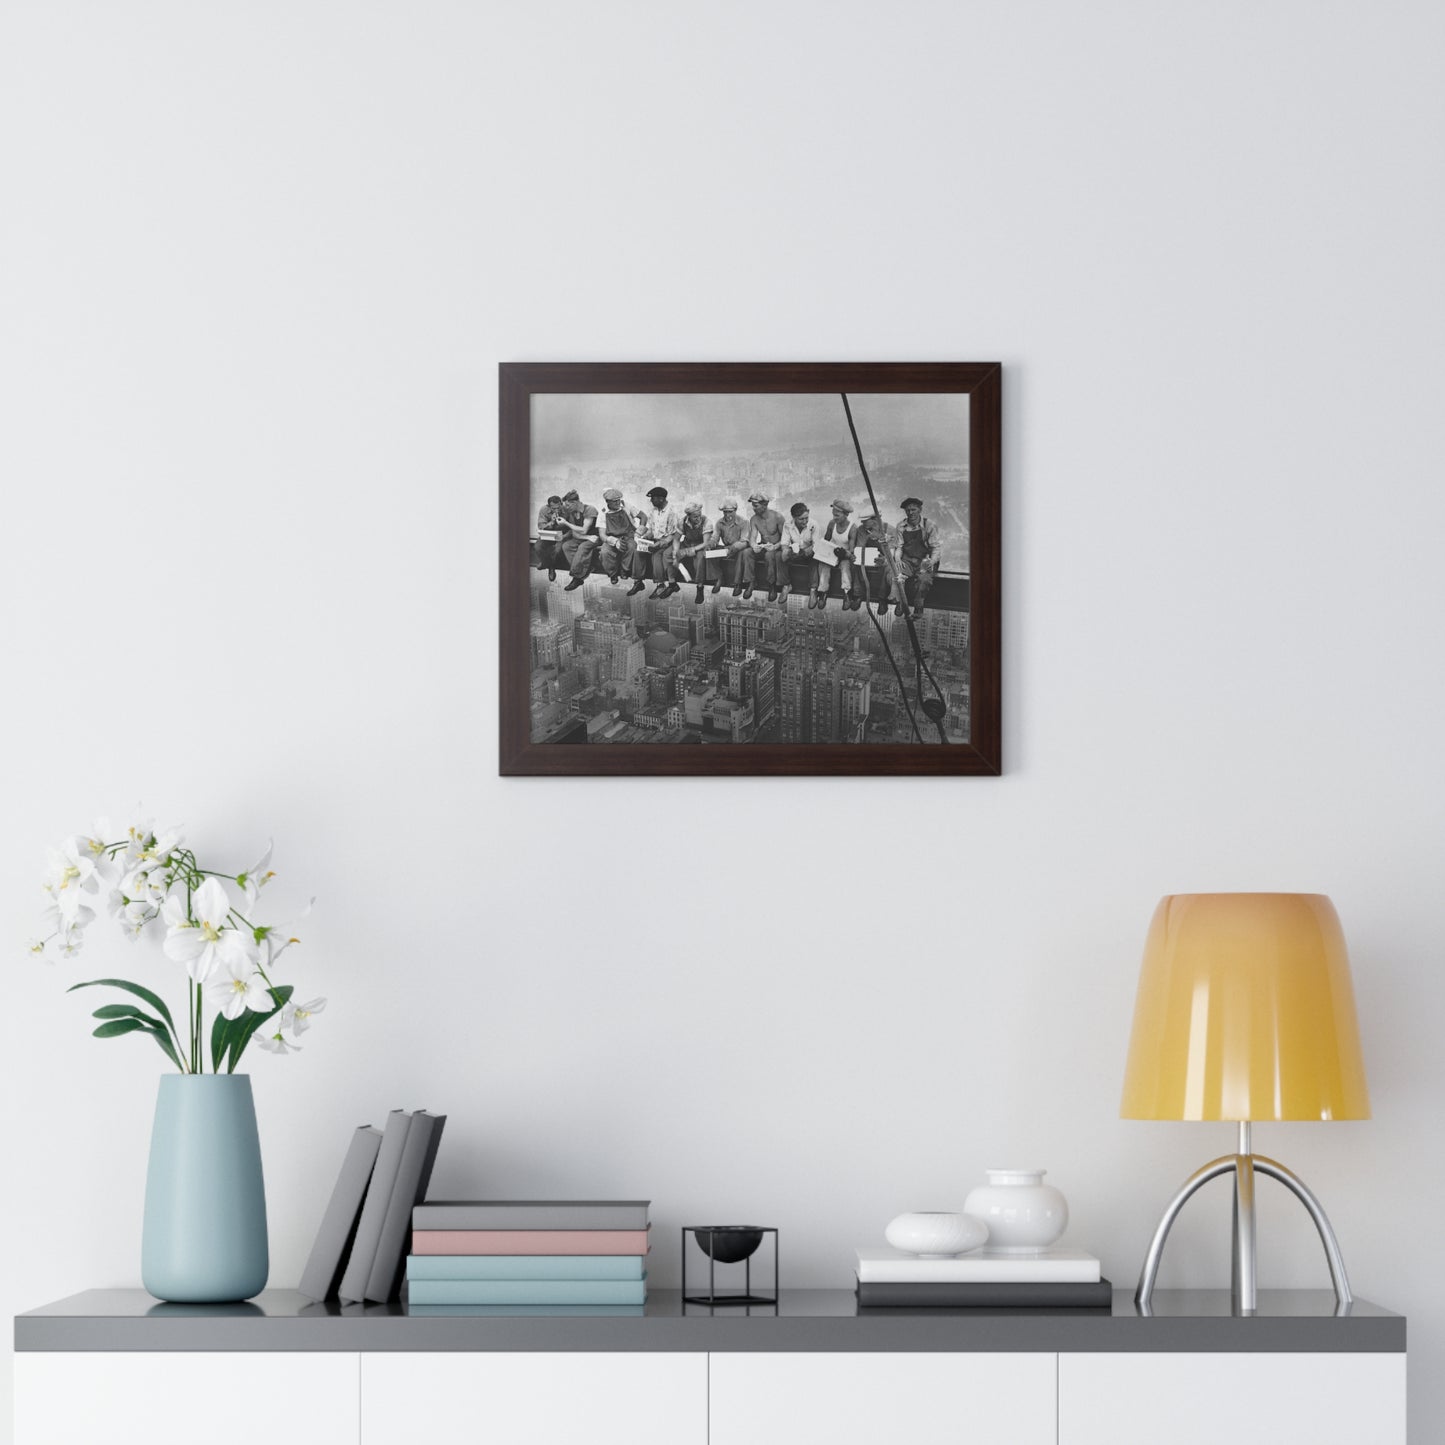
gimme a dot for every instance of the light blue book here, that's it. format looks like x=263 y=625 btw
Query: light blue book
x=528 y=1291
x=525 y=1266
x=514 y=1311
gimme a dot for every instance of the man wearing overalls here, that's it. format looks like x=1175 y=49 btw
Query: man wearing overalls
x=918 y=552
x=619 y=538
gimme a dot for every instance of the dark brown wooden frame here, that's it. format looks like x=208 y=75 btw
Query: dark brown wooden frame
x=981 y=756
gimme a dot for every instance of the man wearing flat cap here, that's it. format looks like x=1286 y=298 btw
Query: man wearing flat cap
x=579 y=522
x=688 y=561
x=768 y=543
x=657 y=526
x=834 y=548
x=619 y=538
x=801 y=532
x=874 y=532
x=549 y=551
x=918 y=552
x=730 y=531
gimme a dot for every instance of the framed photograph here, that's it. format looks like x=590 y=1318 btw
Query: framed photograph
x=750 y=569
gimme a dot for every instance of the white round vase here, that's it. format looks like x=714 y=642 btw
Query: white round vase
x=935 y=1234
x=1024 y=1215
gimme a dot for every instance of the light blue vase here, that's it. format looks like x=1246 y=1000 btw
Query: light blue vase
x=204 y=1239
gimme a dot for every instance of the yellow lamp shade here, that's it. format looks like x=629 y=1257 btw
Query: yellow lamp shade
x=1245 y=1010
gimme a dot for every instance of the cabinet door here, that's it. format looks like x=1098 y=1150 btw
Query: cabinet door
x=1197 y=1399
x=534 y=1399
x=882 y=1399
x=223 y=1398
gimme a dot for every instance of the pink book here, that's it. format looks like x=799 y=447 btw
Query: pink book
x=529 y=1241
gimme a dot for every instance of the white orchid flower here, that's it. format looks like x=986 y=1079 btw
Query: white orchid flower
x=156 y=849
x=135 y=838
x=131 y=913
x=68 y=941
x=256 y=877
x=297 y=1016
x=145 y=846
x=147 y=882
x=70 y=868
x=69 y=915
x=97 y=850
x=275 y=1043
x=134 y=918
x=236 y=986
x=278 y=939
x=35 y=947
x=202 y=940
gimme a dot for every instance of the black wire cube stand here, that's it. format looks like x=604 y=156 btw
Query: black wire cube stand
x=728 y=1245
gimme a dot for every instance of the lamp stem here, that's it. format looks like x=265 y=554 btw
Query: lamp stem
x=1244 y=1292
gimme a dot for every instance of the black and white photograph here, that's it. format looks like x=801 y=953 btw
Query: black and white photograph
x=749 y=569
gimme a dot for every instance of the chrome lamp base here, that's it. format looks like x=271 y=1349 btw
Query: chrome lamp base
x=1244 y=1165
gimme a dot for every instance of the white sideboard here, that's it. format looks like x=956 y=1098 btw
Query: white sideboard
x=855 y=1399
x=115 y=1368
x=536 y=1398
x=221 y=1398
x=1195 y=1399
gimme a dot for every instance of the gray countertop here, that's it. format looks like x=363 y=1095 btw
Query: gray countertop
x=806 y=1320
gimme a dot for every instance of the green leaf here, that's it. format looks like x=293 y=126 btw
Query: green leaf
x=153 y=999
x=124 y=1011
x=164 y=1034
x=241 y=1029
x=116 y=1027
x=163 y=1039
x=219 y=1030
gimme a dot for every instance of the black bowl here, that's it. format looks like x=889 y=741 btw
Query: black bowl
x=729 y=1243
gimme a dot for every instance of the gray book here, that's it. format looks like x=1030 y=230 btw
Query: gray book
x=373 y=1212
x=412 y=1177
x=338 y=1225
x=1029 y=1294
x=531 y=1214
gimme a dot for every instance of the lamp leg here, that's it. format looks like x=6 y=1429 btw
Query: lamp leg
x=1272 y=1169
x=1244 y=1294
x=1244 y=1289
x=1194 y=1183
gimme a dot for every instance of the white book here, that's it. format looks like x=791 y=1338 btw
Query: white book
x=981 y=1266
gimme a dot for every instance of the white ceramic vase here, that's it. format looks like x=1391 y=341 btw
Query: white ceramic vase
x=1024 y=1215
x=935 y=1234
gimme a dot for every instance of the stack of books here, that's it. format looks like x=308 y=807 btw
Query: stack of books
x=1053 y=1279
x=535 y=1256
x=360 y=1248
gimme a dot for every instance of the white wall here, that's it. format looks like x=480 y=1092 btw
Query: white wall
x=259 y=265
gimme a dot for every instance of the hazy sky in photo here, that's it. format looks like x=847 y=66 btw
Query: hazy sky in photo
x=606 y=427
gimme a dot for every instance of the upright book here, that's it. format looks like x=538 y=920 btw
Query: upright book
x=373 y=1212
x=531 y=1214
x=338 y=1225
x=413 y=1174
